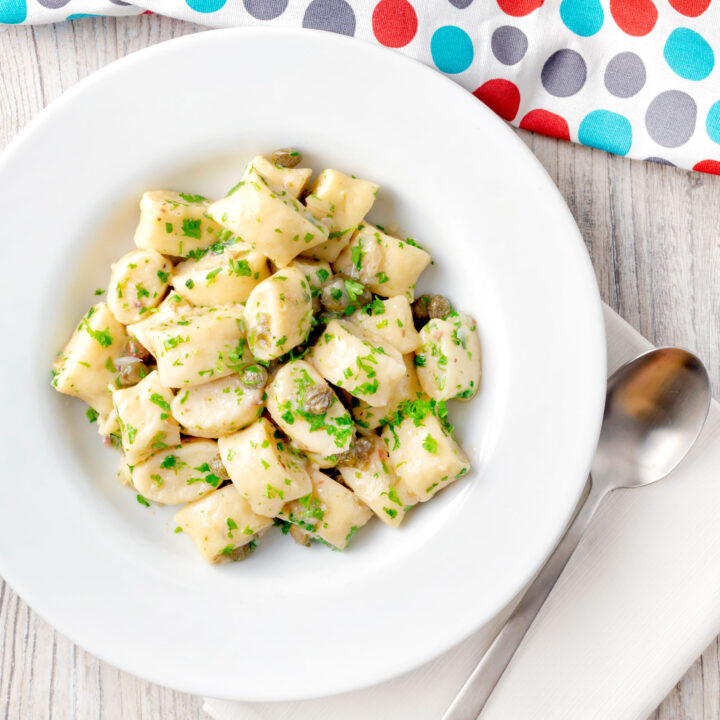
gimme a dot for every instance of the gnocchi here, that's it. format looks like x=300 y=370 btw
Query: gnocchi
x=387 y=265
x=448 y=361
x=278 y=314
x=341 y=202
x=261 y=360
x=219 y=279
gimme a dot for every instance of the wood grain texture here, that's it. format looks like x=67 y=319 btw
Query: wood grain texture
x=651 y=232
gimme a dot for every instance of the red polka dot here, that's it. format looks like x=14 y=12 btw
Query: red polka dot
x=501 y=96
x=691 y=8
x=708 y=166
x=519 y=8
x=634 y=17
x=394 y=22
x=546 y=123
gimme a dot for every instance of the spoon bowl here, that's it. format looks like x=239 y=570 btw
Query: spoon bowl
x=655 y=407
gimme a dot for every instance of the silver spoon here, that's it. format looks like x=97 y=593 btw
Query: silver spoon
x=655 y=407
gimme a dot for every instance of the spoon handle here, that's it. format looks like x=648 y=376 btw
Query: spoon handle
x=473 y=695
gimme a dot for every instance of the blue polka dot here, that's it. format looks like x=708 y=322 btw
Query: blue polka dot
x=607 y=131
x=452 y=49
x=583 y=17
x=205 y=6
x=713 y=122
x=12 y=12
x=688 y=54
x=79 y=16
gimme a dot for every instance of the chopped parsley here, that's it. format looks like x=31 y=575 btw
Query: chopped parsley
x=240 y=268
x=163 y=404
x=210 y=277
x=393 y=496
x=92 y=415
x=354 y=289
x=356 y=255
x=102 y=336
x=192 y=228
x=272 y=492
x=235 y=187
x=351 y=534
x=284 y=525
x=193 y=198
x=376 y=307
x=169 y=462
x=142 y=500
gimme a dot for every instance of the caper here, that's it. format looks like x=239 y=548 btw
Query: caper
x=254 y=376
x=318 y=399
x=239 y=553
x=362 y=297
x=439 y=307
x=421 y=309
x=286 y=158
x=134 y=348
x=300 y=536
x=131 y=370
x=341 y=294
x=334 y=295
x=316 y=304
x=428 y=307
x=359 y=453
x=217 y=468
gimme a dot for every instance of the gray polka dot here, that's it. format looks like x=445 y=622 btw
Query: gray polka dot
x=660 y=161
x=53 y=3
x=333 y=15
x=564 y=73
x=460 y=4
x=120 y=2
x=625 y=75
x=509 y=44
x=265 y=9
x=670 y=118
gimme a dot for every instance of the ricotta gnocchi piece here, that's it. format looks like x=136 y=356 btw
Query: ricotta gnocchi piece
x=261 y=361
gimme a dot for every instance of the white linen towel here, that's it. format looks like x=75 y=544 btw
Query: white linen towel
x=637 y=604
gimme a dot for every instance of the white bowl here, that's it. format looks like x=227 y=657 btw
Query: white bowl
x=291 y=622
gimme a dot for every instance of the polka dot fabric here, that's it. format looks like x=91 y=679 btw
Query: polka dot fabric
x=638 y=78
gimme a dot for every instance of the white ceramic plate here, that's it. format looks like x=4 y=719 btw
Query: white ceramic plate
x=290 y=622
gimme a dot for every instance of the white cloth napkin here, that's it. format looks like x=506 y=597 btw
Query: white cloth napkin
x=637 y=604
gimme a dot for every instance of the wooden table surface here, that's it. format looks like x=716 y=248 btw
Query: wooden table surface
x=652 y=234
